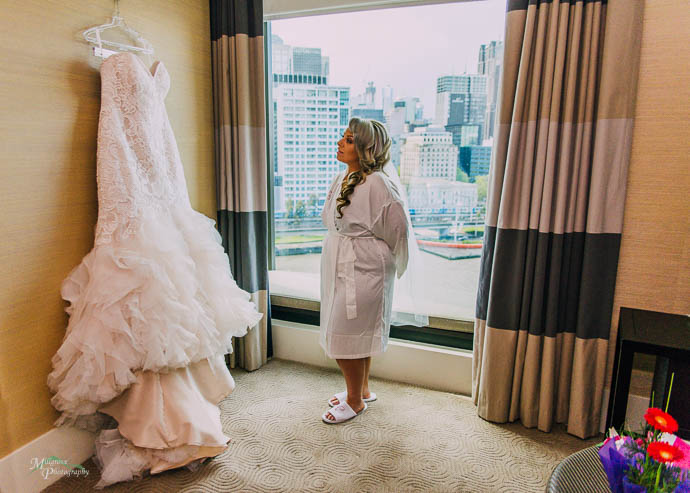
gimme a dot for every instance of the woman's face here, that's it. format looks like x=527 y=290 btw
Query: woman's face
x=346 y=149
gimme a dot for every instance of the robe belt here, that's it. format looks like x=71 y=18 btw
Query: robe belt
x=345 y=269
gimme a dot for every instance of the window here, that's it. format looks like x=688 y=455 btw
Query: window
x=344 y=117
x=443 y=160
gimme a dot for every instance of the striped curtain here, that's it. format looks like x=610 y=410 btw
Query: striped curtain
x=555 y=212
x=240 y=160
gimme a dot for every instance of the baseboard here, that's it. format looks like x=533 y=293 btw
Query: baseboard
x=70 y=444
x=426 y=365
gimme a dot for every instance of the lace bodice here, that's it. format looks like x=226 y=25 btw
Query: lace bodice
x=138 y=163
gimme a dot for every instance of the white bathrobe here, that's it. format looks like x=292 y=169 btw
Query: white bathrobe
x=361 y=253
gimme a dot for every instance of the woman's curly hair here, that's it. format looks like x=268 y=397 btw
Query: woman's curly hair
x=373 y=149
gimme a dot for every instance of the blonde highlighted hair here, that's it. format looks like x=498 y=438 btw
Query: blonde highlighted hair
x=373 y=149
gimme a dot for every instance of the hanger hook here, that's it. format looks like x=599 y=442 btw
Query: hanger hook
x=117 y=8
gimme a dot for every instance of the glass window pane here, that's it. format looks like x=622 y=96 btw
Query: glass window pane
x=440 y=112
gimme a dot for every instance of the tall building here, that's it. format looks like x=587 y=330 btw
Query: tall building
x=281 y=56
x=466 y=108
x=365 y=99
x=404 y=111
x=306 y=61
x=465 y=135
x=490 y=63
x=386 y=99
x=473 y=86
x=370 y=113
x=461 y=107
x=294 y=64
x=309 y=118
x=364 y=105
x=396 y=119
x=396 y=147
x=475 y=160
x=402 y=118
x=465 y=118
x=428 y=152
x=414 y=109
x=461 y=110
x=370 y=95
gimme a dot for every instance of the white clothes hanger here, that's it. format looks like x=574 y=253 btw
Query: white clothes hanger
x=93 y=36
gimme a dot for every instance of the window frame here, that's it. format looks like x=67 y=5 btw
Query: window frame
x=307 y=8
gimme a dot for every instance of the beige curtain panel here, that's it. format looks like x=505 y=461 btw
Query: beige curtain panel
x=555 y=212
x=240 y=159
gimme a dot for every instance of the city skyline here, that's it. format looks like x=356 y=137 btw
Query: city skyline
x=464 y=26
x=309 y=112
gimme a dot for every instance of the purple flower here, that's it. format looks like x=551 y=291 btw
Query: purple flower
x=683 y=487
x=638 y=461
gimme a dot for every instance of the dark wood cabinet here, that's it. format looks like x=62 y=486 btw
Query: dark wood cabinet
x=666 y=336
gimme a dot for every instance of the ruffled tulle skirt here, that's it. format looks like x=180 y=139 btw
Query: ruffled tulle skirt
x=153 y=312
x=165 y=421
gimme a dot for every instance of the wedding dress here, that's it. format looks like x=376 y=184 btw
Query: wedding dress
x=153 y=306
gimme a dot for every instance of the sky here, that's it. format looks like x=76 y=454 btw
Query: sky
x=407 y=48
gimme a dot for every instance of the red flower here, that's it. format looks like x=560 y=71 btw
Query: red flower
x=660 y=420
x=663 y=452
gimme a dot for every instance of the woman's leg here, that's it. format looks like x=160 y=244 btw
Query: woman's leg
x=365 y=386
x=353 y=371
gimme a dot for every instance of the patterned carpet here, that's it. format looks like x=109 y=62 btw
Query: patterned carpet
x=410 y=439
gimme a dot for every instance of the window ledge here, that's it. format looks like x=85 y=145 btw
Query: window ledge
x=456 y=325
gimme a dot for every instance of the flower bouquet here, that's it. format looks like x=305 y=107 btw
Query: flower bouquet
x=654 y=460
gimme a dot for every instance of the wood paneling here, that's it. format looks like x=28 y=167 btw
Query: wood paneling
x=50 y=99
x=654 y=267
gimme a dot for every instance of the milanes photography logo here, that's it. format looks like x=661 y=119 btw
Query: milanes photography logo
x=56 y=465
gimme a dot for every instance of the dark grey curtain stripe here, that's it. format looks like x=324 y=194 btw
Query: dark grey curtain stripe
x=245 y=238
x=523 y=4
x=486 y=263
x=548 y=283
x=599 y=269
x=230 y=18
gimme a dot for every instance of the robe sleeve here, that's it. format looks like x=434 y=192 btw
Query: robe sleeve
x=391 y=226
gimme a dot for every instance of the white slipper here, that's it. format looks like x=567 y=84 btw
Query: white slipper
x=342 y=396
x=342 y=412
